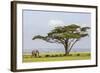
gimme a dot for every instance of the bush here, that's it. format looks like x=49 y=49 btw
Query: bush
x=56 y=55
x=88 y=54
x=64 y=54
x=78 y=54
x=40 y=56
x=47 y=55
x=60 y=55
x=53 y=55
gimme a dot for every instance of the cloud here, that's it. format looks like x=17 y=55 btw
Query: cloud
x=55 y=23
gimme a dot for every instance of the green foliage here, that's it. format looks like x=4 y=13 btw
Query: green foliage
x=69 y=31
x=85 y=28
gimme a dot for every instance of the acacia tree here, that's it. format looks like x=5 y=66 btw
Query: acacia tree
x=65 y=35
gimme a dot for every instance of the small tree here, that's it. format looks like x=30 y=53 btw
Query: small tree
x=65 y=35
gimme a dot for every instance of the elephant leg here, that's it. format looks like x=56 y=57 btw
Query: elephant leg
x=38 y=54
x=35 y=55
x=31 y=55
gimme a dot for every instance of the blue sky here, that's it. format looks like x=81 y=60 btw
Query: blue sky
x=42 y=22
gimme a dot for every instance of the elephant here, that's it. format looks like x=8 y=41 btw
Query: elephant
x=35 y=53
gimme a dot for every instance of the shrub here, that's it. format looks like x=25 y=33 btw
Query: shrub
x=64 y=54
x=88 y=54
x=78 y=54
x=47 y=55
x=40 y=56
x=60 y=55
x=56 y=55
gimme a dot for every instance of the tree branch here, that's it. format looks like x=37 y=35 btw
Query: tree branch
x=73 y=44
x=70 y=42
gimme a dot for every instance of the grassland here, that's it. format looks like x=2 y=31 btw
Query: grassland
x=44 y=57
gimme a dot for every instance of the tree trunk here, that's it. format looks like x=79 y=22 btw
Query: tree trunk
x=66 y=47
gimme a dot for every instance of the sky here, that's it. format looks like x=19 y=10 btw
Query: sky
x=42 y=22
